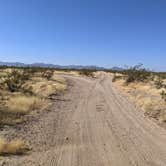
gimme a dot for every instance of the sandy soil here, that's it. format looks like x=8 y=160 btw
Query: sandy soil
x=92 y=125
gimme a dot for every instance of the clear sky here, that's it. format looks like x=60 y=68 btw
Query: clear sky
x=84 y=32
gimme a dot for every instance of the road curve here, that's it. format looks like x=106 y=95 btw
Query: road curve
x=99 y=127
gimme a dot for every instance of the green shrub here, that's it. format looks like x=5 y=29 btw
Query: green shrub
x=86 y=72
x=14 y=80
x=162 y=75
x=159 y=83
x=115 y=78
x=136 y=73
x=163 y=95
x=48 y=74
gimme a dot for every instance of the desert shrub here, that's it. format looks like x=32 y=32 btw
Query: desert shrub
x=12 y=111
x=163 y=95
x=14 y=147
x=136 y=73
x=27 y=90
x=86 y=72
x=10 y=119
x=23 y=104
x=14 y=80
x=159 y=83
x=162 y=75
x=48 y=74
x=116 y=77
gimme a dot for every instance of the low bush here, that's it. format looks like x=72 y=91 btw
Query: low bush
x=87 y=72
x=159 y=83
x=48 y=74
x=162 y=75
x=163 y=95
x=116 y=77
x=13 y=147
x=14 y=80
x=136 y=73
x=23 y=104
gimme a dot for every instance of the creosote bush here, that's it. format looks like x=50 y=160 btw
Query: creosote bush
x=116 y=77
x=163 y=95
x=48 y=74
x=159 y=83
x=86 y=72
x=137 y=73
x=14 y=80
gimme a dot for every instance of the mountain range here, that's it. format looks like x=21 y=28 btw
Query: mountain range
x=45 y=65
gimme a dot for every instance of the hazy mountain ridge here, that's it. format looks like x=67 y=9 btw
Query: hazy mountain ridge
x=45 y=65
x=18 y=64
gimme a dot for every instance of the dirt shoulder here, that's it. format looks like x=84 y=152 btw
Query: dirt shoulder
x=147 y=97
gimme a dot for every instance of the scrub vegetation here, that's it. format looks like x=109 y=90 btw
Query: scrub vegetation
x=22 y=92
x=146 y=88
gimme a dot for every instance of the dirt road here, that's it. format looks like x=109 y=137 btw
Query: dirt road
x=94 y=125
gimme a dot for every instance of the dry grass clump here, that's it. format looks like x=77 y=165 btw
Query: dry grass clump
x=23 y=104
x=14 y=109
x=8 y=118
x=23 y=90
x=116 y=77
x=86 y=72
x=48 y=74
x=13 y=147
x=45 y=88
x=146 y=88
x=69 y=72
x=58 y=78
x=146 y=96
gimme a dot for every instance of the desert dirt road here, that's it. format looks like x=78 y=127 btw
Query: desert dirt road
x=94 y=125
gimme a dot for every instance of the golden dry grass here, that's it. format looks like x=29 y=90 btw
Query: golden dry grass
x=12 y=147
x=58 y=78
x=44 y=88
x=74 y=73
x=23 y=104
x=146 y=96
x=14 y=105
x=40 y=87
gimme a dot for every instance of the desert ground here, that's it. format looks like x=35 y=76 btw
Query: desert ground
x=92 y=123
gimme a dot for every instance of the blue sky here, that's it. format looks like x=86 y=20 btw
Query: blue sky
x=84 y=32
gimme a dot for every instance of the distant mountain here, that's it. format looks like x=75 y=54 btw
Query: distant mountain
x=117 y=68
x=16 y=64
x=44 y=65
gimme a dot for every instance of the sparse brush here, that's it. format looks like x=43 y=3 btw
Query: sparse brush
x=9 y=118
x=13 y=110
x=136 y=73
x=163 y=95
x=87 y=72
x=23 y=104
x=159 y=83
x=14 y=80
x=162 y=75
x=15 y=147
x=116 y=77
x=48 y=74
